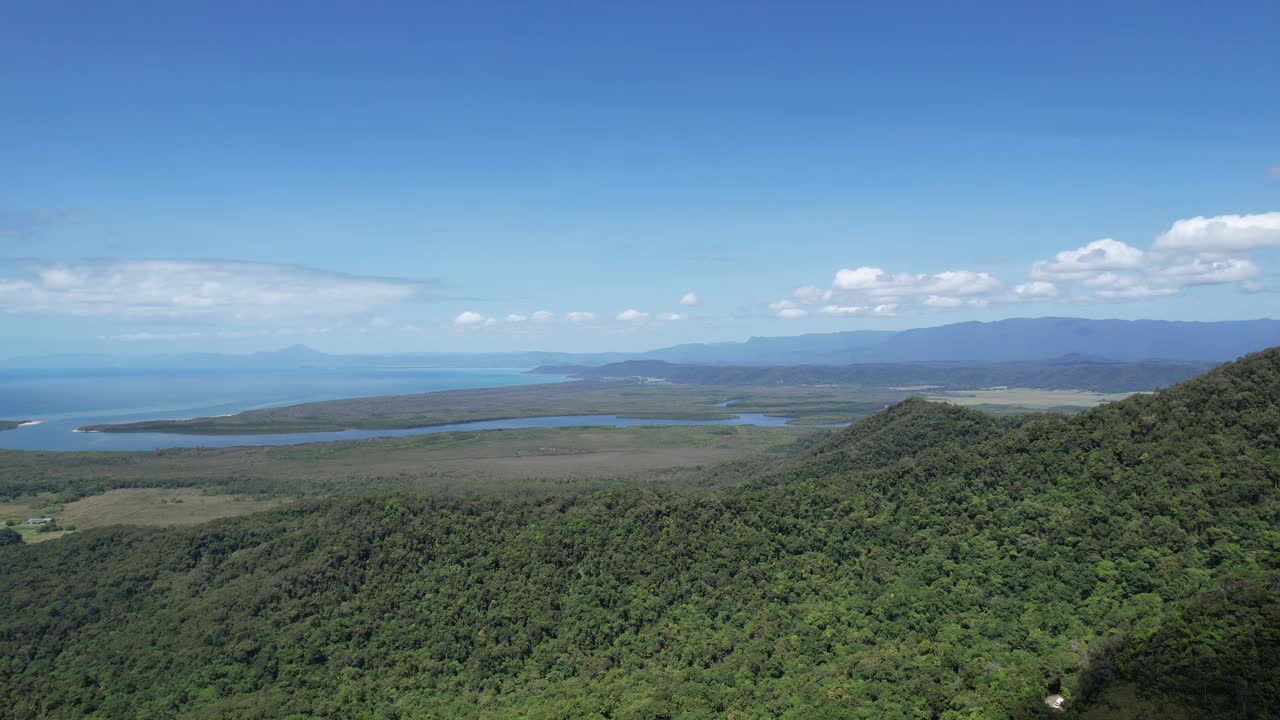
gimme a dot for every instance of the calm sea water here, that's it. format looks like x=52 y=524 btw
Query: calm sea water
x=63 y=400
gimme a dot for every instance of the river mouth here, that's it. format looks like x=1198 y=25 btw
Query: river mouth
x=62 y=435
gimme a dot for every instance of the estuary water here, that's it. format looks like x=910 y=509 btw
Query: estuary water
x=62 y=400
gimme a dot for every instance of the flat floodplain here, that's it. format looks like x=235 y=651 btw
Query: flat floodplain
x=1026 y=398
x=804 y=403
x=525 y=462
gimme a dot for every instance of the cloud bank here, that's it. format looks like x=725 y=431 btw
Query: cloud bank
x=1192 y=252
x=195 y=289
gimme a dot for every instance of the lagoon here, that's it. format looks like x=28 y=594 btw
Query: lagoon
x=63 y=400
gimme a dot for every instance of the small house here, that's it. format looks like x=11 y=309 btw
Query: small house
x=38 y=521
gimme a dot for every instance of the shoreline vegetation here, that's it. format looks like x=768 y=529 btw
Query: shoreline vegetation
x=631 y=398
x=803 y=405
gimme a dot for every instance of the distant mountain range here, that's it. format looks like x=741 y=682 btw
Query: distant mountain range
x=1013 y=340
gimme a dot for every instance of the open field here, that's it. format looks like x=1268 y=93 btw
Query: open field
x=158 y=506
x=527 y=462
x=806 y=404
x=138 y=506
x=33 y=535
x=1024 y=399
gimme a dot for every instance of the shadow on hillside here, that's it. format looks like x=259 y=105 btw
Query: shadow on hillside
x=1216 y=655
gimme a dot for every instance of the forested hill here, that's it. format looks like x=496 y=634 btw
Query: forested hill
x=954 y=568
x=1068 y=373
x=906 y=430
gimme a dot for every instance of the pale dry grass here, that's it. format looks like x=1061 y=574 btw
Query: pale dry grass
x=1027 y=398
x=158 y=506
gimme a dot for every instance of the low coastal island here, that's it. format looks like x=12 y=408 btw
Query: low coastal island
x=633 y=397
x=804 y=405
x=11 y=424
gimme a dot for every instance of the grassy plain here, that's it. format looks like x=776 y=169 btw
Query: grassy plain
x=135 y=506
x=526 y=462
x=159 y=506
x=1024 y=399
x=806 y=404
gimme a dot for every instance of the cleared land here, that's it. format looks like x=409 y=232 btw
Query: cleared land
x=159 y=506
x=1024 y=399
x=805 y=404
x=139 y=506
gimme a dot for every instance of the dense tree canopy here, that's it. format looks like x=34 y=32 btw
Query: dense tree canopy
x=929 y=562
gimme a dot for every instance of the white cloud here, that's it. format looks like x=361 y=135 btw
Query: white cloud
x=471 y=319
x=961 y=282
x=689 y=298
x=1195 y=251
x=541 y=316
x=868 y=290
x=862 y=278
x=1110 y=280
x=189 y=289
x=874 y=282
x=1099 y=255
x=1036 y=289
x=515 y=318
x=632 y=315
x=810 y=294
x=843 y=310
x=792 y=313
x=1221 y=234
x=1134 y=292
x=580 y=317
x=1208 y=269
x=673 y=316
x=941 y=301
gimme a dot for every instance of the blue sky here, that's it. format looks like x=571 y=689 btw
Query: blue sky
x=482 y=176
